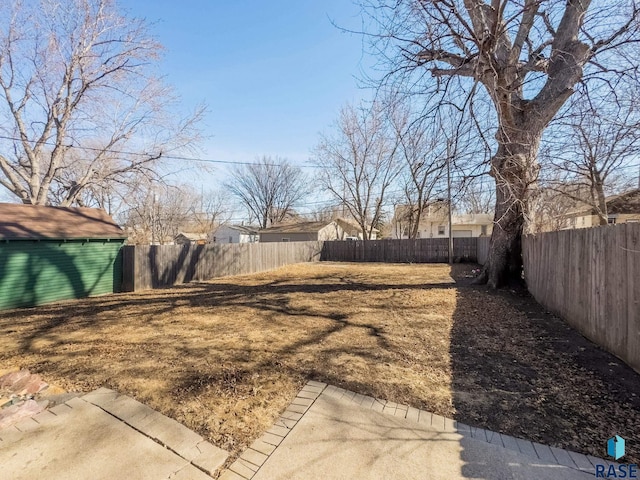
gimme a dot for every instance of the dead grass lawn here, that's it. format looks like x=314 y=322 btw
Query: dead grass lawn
x=226 y=357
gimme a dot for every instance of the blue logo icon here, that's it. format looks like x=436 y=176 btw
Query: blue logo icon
x=615 y=447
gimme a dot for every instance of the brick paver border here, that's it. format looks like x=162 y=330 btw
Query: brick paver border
x=163 y=430
x=245 y=467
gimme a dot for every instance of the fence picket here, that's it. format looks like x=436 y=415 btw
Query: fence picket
x=590 y=277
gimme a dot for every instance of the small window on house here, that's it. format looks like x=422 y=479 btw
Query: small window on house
x=440 y=229
x=230 y=239
x=483 y=229
x=611 y=220
x=418 y=235
x=285 y=239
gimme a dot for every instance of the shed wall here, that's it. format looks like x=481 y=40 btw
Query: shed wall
x=38 y=272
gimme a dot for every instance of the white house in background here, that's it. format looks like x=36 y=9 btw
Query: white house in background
x=235 y=234
x=435 y=223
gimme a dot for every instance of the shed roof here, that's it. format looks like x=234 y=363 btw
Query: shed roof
x=32 y=222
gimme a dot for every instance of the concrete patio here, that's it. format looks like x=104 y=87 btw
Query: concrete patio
x=331 y=433
x=103 y=435
x=325 y=433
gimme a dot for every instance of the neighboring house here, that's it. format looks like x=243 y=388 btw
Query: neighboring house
x=435 y=223
x=338 y=229
x=624 y=208
x=347 y=229
x=52 y=253
x=186 y=238
x=236 y=234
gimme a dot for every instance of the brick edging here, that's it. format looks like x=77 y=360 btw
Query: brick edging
x=248 y=464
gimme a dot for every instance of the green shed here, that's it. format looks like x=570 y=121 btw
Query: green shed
x=54 y=253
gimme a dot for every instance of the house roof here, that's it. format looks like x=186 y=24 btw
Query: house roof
x=192 y=236
x=313 y=227
x=300 y=227
x=248 y=229
x=628 y=202
x=351 y=227
x=32 y=222
x=442 y=213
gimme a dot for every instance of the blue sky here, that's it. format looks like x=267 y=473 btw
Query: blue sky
x=273 y=74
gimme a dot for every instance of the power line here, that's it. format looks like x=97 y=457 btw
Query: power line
x=170 y=157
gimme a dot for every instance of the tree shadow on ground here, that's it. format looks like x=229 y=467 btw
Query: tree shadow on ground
x=233 y=348
x=532 y=376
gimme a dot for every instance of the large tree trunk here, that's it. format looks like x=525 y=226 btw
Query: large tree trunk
x=514 y=168
x=504 y=262
x=600 y=202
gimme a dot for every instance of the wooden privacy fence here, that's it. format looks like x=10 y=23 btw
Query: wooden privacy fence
x=423 y=250
x=483 y=249
x=156 y=266
x=591 y=278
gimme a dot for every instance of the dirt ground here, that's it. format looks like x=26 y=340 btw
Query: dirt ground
x=226 y=357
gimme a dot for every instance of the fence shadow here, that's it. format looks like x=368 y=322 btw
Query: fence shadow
x=160 y=266
x=519 y=370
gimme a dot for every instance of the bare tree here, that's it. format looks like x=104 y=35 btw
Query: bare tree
x=477 y=196
x=155 y=212
x=359 y=163
x=326 y=213
x=80 y=103
x=422 y=156
x=590 y=147
x=269 y=189
x=210 y=210
x=551 y=208
x=525 y=56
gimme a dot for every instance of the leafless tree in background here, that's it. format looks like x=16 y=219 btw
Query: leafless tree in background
x=421 y=153
x=156 y=212
x=210 y=210
x=81 y=105
x=525 y=57
x=269 y=189
x=591 y=148
x=551 y=208
x=359 y=162
x=326 y=213
x=477 y=197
